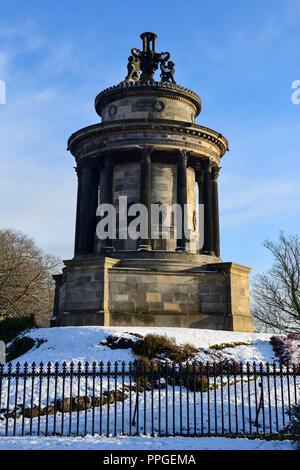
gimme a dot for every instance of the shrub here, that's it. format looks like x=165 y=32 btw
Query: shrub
x=12 y=327
x=294 y=425
x=158 y=346
x=287 y=348
x=19 y=347
x=220 y=346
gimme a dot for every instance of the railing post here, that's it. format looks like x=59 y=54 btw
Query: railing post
x=63 y=398
x=93 y=397
x=116 y=396
x=40 y=398
x=195 y=408
x=86 y=373
x=47 y=399
x=101 y=397
x=123 y=378
x=152 y=399
x=16 y=396
x=145 y=398
x=108 y=396
x=71 y=397
x=32 y=393
x=242 y=393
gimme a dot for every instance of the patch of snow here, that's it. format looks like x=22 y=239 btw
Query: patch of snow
x=83 y=343
x=141 y=443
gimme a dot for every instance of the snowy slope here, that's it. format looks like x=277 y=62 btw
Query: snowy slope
x=83 y=344
x=214 y=406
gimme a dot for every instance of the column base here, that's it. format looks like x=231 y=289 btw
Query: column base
x=108 y=249
x=181 y=249
x=144 y=248
x=209 y=253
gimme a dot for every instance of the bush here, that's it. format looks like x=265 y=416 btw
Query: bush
x=158 y=346
x=12 y=327
x=220 y=346
x=294 y=425
x=19 y=347
x=287 y=348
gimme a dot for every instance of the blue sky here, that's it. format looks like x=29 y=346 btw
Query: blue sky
x=241 y=57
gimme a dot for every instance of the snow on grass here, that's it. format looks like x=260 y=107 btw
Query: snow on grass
x=141 y=443
x=215 y=408
x=83 y=344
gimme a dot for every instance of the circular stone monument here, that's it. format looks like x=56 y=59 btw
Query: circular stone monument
x=147 y=150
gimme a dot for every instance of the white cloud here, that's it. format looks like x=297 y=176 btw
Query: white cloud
x=246 y=199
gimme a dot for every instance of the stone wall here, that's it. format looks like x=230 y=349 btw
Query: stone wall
x=148 y=107
x=163 y=191
x=102 y=292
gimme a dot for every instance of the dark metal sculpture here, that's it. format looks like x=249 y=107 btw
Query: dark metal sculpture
x=167 y=72
x=147 y=61
x=133 y=68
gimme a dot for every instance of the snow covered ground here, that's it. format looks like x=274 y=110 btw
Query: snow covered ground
x=82 y=344
x=141 y=443
x=215 y=408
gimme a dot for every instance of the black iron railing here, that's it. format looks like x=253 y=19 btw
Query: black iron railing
x=197 y=399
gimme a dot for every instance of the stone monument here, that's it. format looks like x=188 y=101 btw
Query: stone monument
x=147 y=150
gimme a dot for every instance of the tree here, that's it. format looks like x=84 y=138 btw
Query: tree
x=276 y=294
x=26 y=285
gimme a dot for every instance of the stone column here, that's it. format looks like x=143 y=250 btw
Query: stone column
x=182 y=157
x=58 y=278
x=215 y=209
x=88 y=179
x=199 y=180
x=145 y=193
x=108 y=192
x=208 y=247
x=77 y=224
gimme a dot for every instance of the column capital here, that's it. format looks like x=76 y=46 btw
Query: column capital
x=87 y=162
x=207 y=164
x=182 y=156
x=77 y=171
x=215 y=172
x=58 y=278
x=145 y=153
x=108 y=156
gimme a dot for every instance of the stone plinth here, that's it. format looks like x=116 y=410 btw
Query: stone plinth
x=168 y=289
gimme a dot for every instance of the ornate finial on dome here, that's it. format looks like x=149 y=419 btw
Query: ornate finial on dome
x=147 y=61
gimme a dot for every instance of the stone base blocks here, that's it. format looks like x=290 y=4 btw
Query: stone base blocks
x=168 y=290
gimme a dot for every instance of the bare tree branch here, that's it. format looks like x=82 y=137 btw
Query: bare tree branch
x=276 y=294
x=26 y=285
